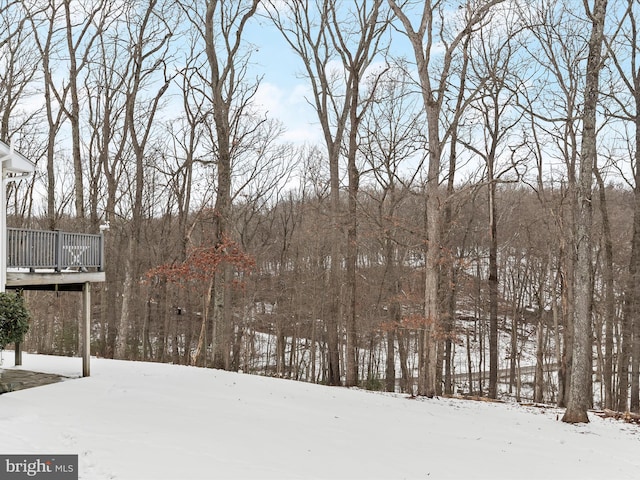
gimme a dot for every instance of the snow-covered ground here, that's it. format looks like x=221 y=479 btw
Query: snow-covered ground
x=133 y=420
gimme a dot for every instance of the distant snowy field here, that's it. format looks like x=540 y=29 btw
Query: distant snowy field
x=134 y=420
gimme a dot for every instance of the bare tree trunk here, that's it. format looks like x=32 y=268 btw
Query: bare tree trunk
x=139 y=134
x=493 y=284
x=199 y=356
x=513 y=354
x=125 y=308
x=432 y=263
x=580 y=395
x=450 y=280
x=629 y=77
x=433 y=83
x=393 y=334
x=469 y=364
x=633 y=289
x=567 y=275
x=538 y=390
x=313 y=352
x=631 y=323
x=333 y=344
x=316 y=34
x=352 y=243
x=406 y=382
x=479 y=318
x=609 y=294
x=390 y=369
x=224 y=24
x=54 y=118
x=280 y=348
x=392 y=131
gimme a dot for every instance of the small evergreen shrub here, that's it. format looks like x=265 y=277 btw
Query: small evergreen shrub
x=14 y=319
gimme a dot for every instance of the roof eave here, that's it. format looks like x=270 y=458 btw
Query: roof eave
x=13 y=161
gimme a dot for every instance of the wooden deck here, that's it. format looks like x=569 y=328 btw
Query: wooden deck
x=53 y=260
x=56 y=281
x=58 y=261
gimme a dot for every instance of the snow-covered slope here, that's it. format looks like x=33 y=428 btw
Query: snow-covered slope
x=133 y=420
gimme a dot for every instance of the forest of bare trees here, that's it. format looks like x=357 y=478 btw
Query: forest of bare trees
x=468 y=222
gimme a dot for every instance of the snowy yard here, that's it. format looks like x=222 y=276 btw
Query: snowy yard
x=155 y=421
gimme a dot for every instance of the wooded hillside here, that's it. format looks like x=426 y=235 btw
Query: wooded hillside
x=474 y=189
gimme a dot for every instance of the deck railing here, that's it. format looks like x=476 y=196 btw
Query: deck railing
x=57 y=250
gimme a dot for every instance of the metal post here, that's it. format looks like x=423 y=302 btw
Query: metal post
x=86 y=344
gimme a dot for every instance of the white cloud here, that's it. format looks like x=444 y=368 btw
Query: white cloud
x=291 y=107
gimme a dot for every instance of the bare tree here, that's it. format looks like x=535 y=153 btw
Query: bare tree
x=18 y=84
x=356 y=60
x=554 y=115
x=494 y=68
x=21 y=66
x=182 y=168
x=434 y=76
x=148 y=63
x=45 y=30
x=580 y=394
x=79 y=41
x=624 y=52
x=392 y=137
x=219 y=30
x=609 y=291
x=108 y=156
x=318 y=31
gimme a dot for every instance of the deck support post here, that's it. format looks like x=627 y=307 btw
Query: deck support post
x=86 y=331
x=18 y=354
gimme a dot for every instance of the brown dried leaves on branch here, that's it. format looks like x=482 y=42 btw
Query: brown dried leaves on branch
x=203 y=262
